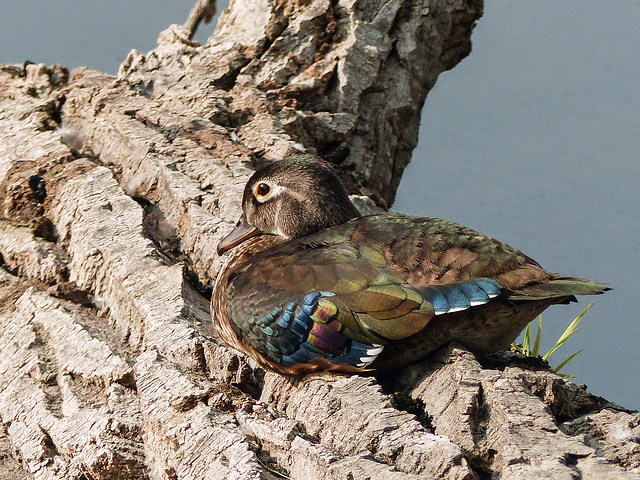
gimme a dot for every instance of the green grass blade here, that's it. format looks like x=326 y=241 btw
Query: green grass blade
x=570 y=330
x=563 y=364
x=526 y=341
x=536 y=344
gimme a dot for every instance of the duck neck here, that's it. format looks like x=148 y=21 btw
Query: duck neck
x=243 y=253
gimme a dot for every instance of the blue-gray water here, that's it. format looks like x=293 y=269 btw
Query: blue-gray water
x=95 y=34
x=533 y=139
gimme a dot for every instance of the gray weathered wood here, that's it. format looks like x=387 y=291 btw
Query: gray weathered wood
x=113 y=194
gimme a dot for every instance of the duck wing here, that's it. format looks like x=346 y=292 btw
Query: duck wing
x=345 y=292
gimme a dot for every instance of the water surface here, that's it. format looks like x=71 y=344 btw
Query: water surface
x=535 y=139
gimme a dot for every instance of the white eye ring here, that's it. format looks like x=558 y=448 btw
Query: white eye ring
x=264 y=191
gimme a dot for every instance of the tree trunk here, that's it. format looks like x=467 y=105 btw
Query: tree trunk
x=113 y=194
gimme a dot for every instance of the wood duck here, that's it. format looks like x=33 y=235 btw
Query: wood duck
x=311 y=285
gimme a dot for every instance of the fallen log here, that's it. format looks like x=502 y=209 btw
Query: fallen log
x=114 y=191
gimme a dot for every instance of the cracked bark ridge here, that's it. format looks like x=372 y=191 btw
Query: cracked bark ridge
x=343 y=80
x=113 y=194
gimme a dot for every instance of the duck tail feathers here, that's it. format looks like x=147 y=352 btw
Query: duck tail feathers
x=562 y=288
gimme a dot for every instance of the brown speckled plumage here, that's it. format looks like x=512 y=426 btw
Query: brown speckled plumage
x=311 y=285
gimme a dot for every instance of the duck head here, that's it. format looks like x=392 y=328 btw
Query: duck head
x=291 y=198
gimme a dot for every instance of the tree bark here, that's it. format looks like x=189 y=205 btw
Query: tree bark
x=114 y=192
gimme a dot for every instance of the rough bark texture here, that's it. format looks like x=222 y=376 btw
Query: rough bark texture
x=113 y=194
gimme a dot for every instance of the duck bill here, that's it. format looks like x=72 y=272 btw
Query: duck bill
x=243 y=231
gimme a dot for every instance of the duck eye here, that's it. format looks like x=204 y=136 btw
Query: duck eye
x=262 y=190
